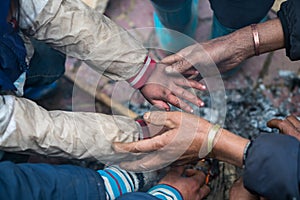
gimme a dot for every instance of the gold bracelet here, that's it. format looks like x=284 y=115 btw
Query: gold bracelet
x=255 y=39
x=211 y=136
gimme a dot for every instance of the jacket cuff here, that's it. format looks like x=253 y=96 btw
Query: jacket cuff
x=165 y=192
x=142 y=76
x=143 y=129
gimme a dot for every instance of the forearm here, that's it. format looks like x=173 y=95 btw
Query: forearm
x=229 y=147
x=270 y=35
x=84 y=33
x=30 y=128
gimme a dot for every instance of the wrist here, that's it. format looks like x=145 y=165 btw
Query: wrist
x=144 y=132
x=229 y=147
x=242 y=42
x=139 y=80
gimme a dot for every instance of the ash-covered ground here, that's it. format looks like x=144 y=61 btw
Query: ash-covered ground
x=249 y=109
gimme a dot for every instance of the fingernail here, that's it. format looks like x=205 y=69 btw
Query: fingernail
x=146 y=115
x=204 y=87
x=202 y=104
x=169 y=69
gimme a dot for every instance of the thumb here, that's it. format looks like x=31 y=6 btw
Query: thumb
x=160 y=118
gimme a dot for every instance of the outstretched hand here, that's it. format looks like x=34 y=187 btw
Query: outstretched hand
x=288 y=126
x=190 y=182
x=161 y=89
x=182 y=141
x=218 y=52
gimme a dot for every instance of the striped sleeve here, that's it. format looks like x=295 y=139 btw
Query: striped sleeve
x=165 y=192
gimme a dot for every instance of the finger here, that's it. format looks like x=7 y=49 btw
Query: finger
x=191 y=72
x=160 y=118
x=274 y=123
x=171 y=59
x=185 y=94
x=204 y=191
x=294 y=121
x=190 y=172
x=160 y=105
x=200 y=177
x=190 y=83
x=284 y=126
x=143 y=146
x=177 y=102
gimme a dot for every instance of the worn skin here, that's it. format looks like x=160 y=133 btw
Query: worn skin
x=190 y=183
x=161 y=89
x=228 y=51
x=185 y=136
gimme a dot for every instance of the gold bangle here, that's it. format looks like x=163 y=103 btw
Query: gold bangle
x=255 y=39
x=211 y=136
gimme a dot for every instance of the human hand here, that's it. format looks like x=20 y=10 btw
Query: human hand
x=238 y=191
x=220 y=52
x=182 y=141
x=161 y=89
x=288 y=126
x=190 y=183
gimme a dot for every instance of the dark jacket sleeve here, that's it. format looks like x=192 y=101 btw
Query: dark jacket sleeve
x=137 y=195
x=43 y=181
x=289 y=15
x=272 y=165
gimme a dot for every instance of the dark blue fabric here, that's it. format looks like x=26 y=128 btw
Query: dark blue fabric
x=43 y=181
x=137 y=195
x=46 y=65
x=236 y=14
x=12 y=50
x=272 y=165
x=289 y=16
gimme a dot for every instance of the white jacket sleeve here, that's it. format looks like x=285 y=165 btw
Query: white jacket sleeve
x=27 y=127
x=81 y=32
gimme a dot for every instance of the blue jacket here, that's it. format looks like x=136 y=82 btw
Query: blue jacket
x=272 y=167
x=44 y=181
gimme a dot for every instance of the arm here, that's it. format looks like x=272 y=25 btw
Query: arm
x=78 y=31
x=271 y=161
x=185 y=137
x=81 y=32
x=27 y=127
x=43 y=181
x=230 y=50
